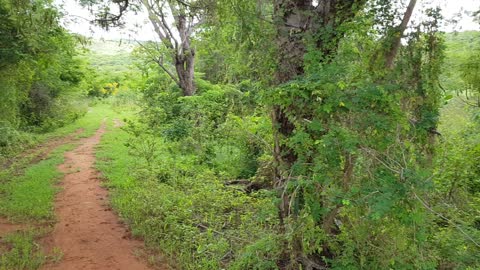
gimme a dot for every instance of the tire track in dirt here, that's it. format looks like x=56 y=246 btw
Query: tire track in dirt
x=88 y=233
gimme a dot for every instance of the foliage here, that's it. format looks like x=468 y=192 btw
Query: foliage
x=39 y=73
x=27 y=189
x=349 y=163
x=163 y=200
x=360 y=187
x=457 y=187
x=235 y=44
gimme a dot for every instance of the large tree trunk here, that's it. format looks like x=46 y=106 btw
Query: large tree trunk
x=297 y=21
x=292 y=22
x=185 y=58
x=184 y=65
x=290 y=17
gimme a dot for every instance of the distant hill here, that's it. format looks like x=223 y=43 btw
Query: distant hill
x=111 y=47
x=111 y=56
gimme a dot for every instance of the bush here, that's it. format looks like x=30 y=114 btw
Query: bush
x=12 y=140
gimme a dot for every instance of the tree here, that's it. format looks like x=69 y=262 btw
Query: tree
x=36 y=62
x=174 y=22
x=300 y=24
x=306 y=30
x=186 y=19
x=394 y=43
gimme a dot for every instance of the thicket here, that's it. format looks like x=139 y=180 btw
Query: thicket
x=39 y=72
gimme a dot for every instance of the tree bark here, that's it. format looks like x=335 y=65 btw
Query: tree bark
x=185 y=58
x=296 y=21
x=184 y=66
x=398 y=34
x=182 y=54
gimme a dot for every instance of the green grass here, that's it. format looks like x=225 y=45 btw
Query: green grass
x=27 y=193
x=179 y=207
x=21 y=251
x=30 y=197
x=113 y=147
x=89 y=123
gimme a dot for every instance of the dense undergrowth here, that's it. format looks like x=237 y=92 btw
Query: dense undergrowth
x=198 y=181
x=179 y=178
x=171 y=185
x=39 y=74
x=194 y=176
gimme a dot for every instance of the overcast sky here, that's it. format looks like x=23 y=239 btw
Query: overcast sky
x=77 y=20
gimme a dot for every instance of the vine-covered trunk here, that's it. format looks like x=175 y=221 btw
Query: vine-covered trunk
x=290 y=15
x=297 y=21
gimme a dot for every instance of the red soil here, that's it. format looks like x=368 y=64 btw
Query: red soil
x=6 y=227
x=88 y=233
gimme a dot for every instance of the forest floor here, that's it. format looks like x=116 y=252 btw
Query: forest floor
x=67 y=221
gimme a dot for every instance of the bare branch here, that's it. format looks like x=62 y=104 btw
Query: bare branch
x=167 y=28
x=154 y=20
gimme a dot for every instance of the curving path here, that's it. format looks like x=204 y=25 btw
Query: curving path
x=88 y=233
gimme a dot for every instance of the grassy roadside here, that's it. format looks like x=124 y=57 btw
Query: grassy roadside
x=88 y=123
x=181 y=208
x=29 y=197
x=27 y=194
x=117 y=166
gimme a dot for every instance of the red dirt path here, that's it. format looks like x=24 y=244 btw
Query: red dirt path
x=88 y=232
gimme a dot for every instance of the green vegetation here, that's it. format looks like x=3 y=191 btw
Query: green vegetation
x=304 y=138
x=112 y=69
x=30 y=196
x=24 y=253
x=161 y=193
x=39 y=73
x=27 y=189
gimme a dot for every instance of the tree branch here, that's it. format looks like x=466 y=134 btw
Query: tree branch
x=163 y=23
x=398 y=34
x=159 y=62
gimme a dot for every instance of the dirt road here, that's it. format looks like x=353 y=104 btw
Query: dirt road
x=88 y=233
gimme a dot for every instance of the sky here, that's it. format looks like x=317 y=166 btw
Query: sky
x=77 y=20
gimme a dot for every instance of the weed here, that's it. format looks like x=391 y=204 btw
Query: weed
x=57 y=255
x=21 y=251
